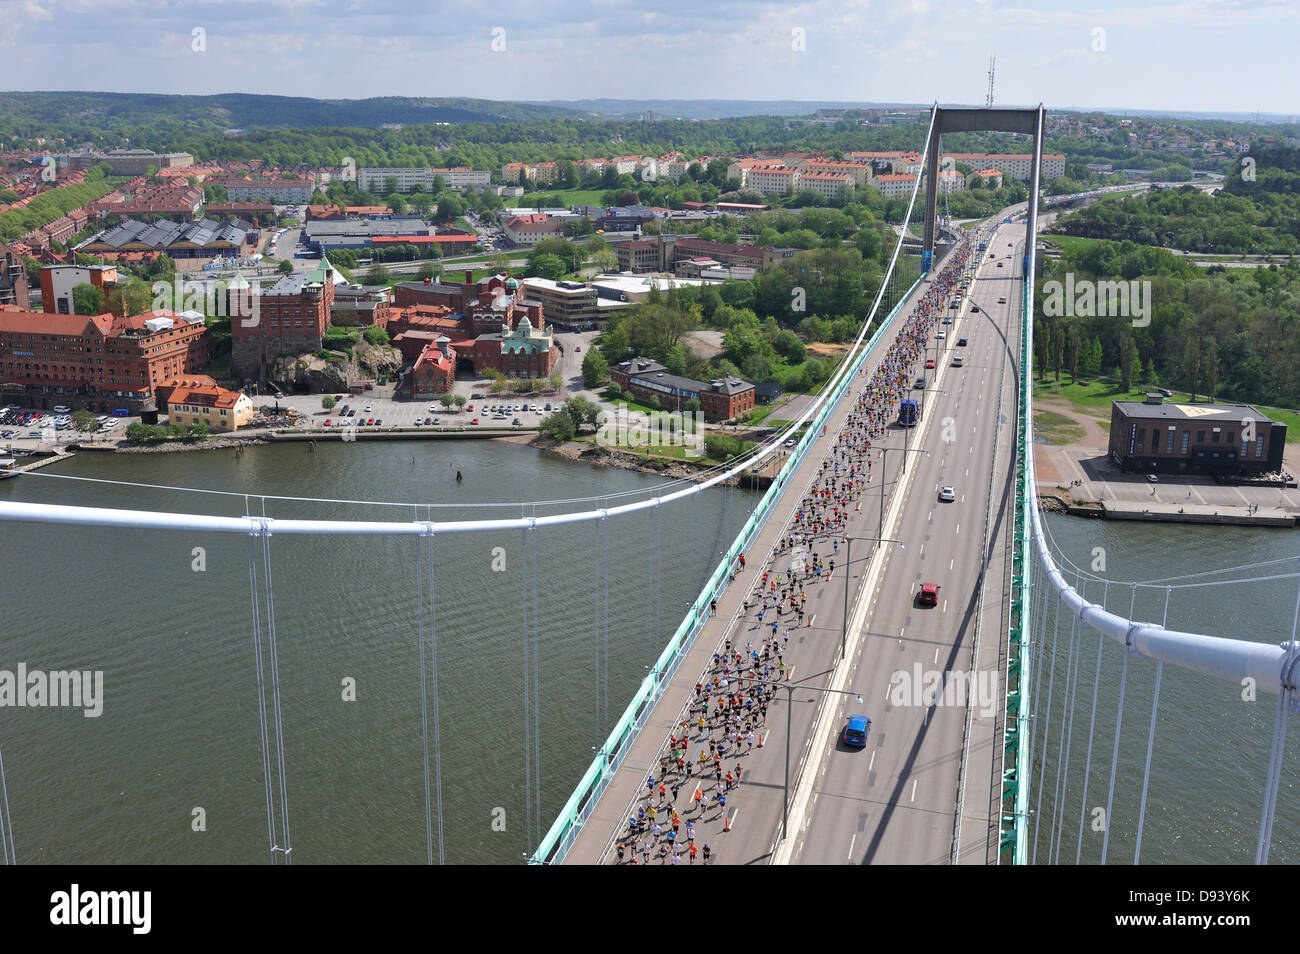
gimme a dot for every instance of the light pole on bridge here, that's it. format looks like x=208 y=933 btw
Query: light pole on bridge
x=848 y=564
x=789 y=688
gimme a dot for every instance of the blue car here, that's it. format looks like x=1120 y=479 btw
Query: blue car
x=855 y=733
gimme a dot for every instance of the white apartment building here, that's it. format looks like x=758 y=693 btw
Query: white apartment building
x=1016 y=165
x=375 y=178
x=773 y=180
x=859 y=172
x=895 y=183
x=951 y=181
x=830 y=184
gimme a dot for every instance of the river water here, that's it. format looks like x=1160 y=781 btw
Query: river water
x=1211 y=742
x=177 y=745
x=179 y=730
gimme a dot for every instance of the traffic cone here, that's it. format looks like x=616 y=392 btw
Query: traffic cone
x=726 y=822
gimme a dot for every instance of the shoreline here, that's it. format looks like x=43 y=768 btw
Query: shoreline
x=1076 y=478
x=580 y=452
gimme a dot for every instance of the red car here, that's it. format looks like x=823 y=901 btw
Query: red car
x=475 y=421
x=929 y=595
x=328 y=422
x=929 y=363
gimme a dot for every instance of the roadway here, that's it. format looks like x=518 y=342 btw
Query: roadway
x=813 y=651
x=895 y=801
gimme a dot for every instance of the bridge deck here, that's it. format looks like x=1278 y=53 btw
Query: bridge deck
x=761 y=791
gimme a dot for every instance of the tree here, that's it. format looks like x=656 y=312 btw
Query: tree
x=328 y=402
x=1192 y=364
x=548 y=266
x=1058 y=347
x=378 y=275
x=788 y=345
x=129 y=296
x=460 y=400
x=558 y=426
x=555 y=380
x=1128 y=360
x=583 y=412
x=199 y=431
x=87 y=299
x=376 y=335
x=447 y=399
x=85 y=421
x=1210 y=365
x=285 y=267
x=139 y=432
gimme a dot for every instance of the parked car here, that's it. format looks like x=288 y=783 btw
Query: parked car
x=1153 y=479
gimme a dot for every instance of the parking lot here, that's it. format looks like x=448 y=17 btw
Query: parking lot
x=30 y=429
x=363 y=409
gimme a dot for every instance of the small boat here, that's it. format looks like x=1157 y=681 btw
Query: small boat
x=8 y=465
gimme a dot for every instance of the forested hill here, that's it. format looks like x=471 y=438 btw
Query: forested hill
x=90 y=115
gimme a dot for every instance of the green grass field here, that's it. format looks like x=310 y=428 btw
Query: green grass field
x=1056 y=428
x=564 y=196
x=1094 y=398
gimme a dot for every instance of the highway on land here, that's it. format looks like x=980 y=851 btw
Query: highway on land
x=895 y=800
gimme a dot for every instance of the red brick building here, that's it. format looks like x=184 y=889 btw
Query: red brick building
x=96 y=357
x=487 y=304
x=525 y=352
x=433 y=373
x=721 y=399
x=13 y=279
x=289 y=318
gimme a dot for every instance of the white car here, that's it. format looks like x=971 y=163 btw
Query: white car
x=947 y=494
x=941 y=334
x=369 y=408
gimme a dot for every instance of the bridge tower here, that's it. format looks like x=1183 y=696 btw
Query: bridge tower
x=1029 y=121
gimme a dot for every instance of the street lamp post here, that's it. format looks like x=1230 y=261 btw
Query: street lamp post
x=884 y=472
x=848 y=567
x=789 y=688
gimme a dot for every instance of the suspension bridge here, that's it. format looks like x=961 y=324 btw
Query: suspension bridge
x=945 y=778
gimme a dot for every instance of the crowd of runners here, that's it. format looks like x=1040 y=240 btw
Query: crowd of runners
x=701 y=764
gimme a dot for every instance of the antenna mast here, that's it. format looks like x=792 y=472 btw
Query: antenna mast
x=988 y=100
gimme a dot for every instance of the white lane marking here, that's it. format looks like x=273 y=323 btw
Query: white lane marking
x=936 y=653
x=887 y=689
x=945 y=607
x=958 y=530
x=872 y=764
x=851 y=841
x=951 y=562
x=914 y=781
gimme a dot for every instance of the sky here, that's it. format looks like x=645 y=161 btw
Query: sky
x=1199 y=55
